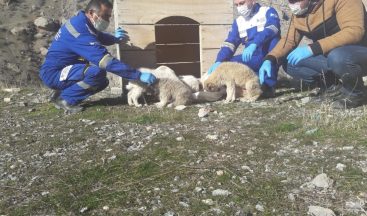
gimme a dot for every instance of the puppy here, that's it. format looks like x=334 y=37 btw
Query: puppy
x=239 y=80
x=169 y=88
x=136 y=89
x=193 y=82
x=172 y=91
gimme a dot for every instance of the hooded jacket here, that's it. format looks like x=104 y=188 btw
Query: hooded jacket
x=329 y=24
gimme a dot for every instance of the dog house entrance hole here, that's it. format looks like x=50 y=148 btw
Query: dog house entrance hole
x=178 y=45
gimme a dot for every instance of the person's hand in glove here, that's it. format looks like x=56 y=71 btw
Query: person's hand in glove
x=248 y=52
x=298 y=54
x=121 y=35
x=265 y=69
x=147 y=78
x=213 y=67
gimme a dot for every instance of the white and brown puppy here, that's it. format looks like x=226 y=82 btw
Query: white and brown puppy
x=171 y=89
x=239 y=80
x=136 y=89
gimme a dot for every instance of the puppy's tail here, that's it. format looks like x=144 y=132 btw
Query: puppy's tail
x=203 y=96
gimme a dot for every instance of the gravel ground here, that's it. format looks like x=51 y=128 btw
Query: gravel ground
x=261 y=158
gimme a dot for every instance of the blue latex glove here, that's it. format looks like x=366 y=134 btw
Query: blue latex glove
x=299 y=54
x=265 y=69
x=213 y=67
x=248 y=52
x=147 y=78
x=120 y=34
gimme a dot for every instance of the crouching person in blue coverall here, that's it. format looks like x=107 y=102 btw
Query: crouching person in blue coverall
x=258 y=29
x=77 y=61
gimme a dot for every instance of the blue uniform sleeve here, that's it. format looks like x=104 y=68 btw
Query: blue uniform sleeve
x=230 y=45
x=271 y=29
x=88 y=47
x=106 y=38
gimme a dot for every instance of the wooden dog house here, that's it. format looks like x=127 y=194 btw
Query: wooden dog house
x=182 y=34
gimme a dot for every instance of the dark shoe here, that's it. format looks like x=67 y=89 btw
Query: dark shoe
x=268 y=92
x=329 y=94
x=332 y=91
x=347 y=102
x=54 y=95
x=69 y=109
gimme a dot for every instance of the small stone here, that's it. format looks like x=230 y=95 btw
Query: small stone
x=220 y=173
x=247 y=168
x=183 y=204
x=11 y=90
x=170 y=213
x=320 y=211
x=260 y=208
x=113 y=157
x=180 y=139
x=348 y=148
x=340 y=167
x=204 y=112
x=106 y=208
x=322 y=181
x=46 y=24
x=7 y=100
x=250 y=152
x=83 y=209
x=32 y=110
x=212 y=137
x=209 y=202
x=198 y=189
x=291 y=197
x=305 y=100
x=221 y=192
x=45 y=193
x=180 y=107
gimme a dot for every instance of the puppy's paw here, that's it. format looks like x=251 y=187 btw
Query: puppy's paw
x=170 y=105
x=160 y=105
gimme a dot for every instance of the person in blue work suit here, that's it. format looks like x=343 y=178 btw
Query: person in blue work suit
x=258 y=29
x=77 y=61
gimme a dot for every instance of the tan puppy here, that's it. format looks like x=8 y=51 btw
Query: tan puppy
x=183 y=90
x=172 y=91
x=239 y=79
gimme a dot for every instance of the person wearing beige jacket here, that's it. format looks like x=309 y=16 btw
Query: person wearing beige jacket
x=336 y=60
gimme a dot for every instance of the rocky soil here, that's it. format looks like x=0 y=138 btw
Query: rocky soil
x=282 y=156
x=26 y=30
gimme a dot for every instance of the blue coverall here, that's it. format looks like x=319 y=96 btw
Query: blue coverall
x=77 y=61
x=262 y=29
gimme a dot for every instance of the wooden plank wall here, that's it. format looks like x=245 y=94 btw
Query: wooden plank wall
x=138 y=18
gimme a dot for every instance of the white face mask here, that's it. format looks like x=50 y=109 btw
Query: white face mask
x=244 y=10
x=100 y=24
x=296 y=8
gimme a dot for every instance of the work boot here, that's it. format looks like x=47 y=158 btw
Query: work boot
x=69 y=109
x=348 y=102
x=268 y=92
x=54 y=95
x=328 y=94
